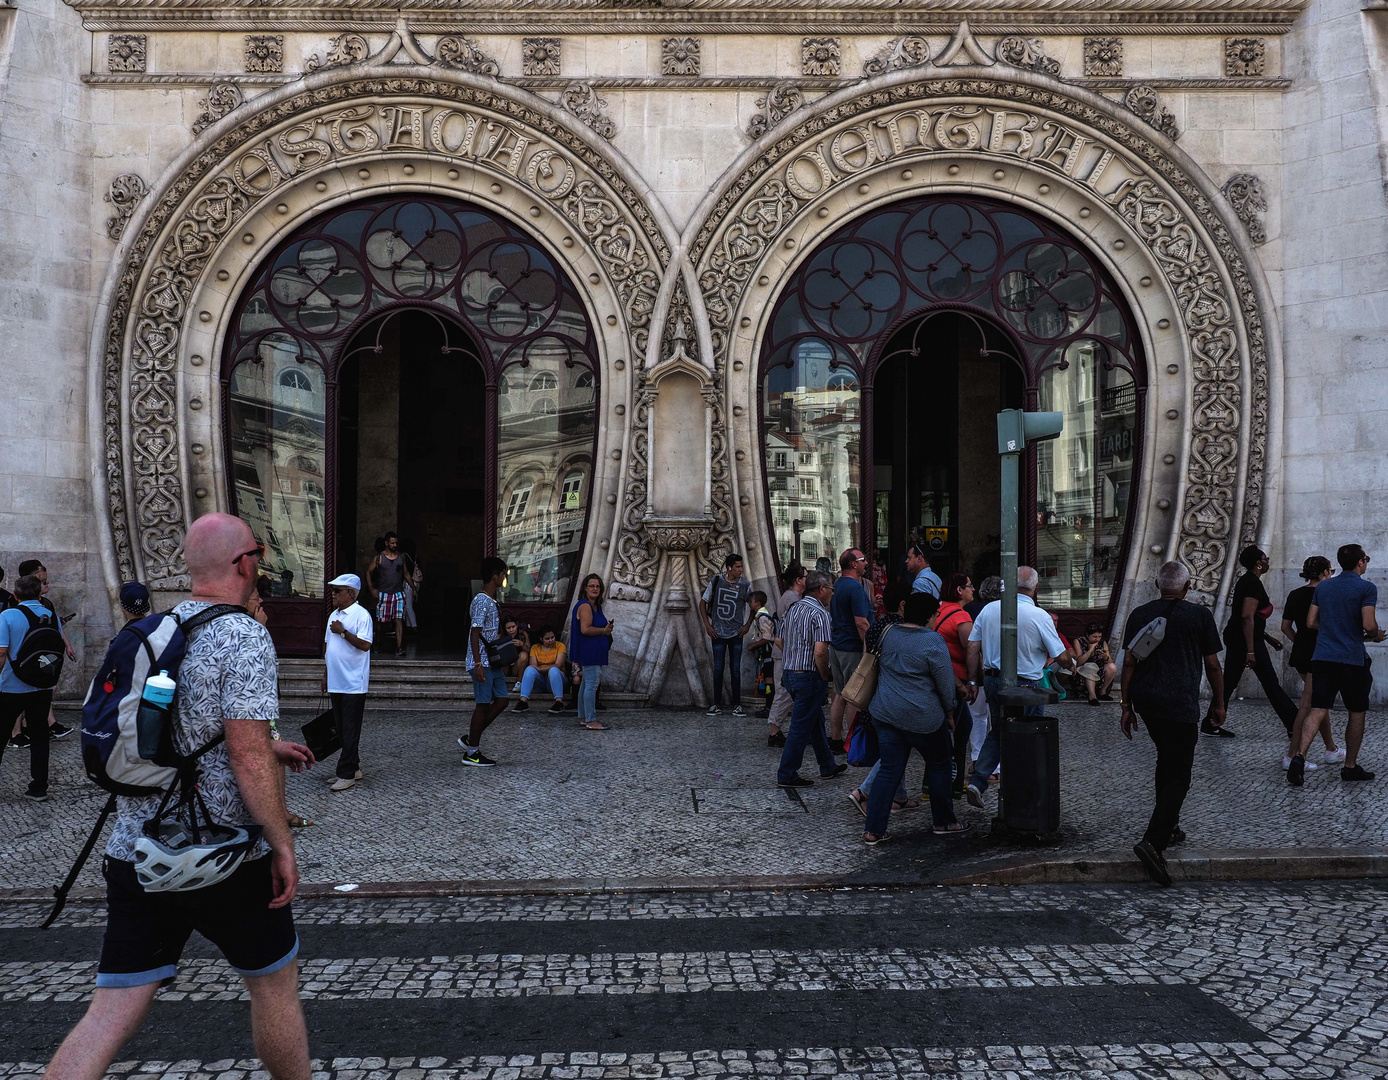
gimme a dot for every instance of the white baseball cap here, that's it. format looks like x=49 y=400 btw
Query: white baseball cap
x=349 y=580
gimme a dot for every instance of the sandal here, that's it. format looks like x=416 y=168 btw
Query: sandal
x=873 y=841
x=296 y=821
x=856 y=798
x=593 y=725
x=909 y=804
x=953 y=830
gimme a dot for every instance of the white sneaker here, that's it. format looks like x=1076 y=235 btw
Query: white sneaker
x=341 y=784
x=1287 y=763
x=714 y=710
x=1334 y=757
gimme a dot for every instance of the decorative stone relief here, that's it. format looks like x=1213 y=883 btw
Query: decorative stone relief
x=1103 y=57
x=820 y=57
x=679 y=56
x=264 y=53
x=1244 y=57
x=343 y=51
x=463 y=54
x=221 y=99
x=124 y=193
x=582 y=100
x=126 y=52
x=902 y=52
x=540 y=55
x=342 y=125
x=778 y=103
x=1024 y=52
x=964 y=50
x=1128 y=174
x=1245 y=194
x=1142 y=100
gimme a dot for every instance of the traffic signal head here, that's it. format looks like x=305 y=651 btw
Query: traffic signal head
x=1017 y=428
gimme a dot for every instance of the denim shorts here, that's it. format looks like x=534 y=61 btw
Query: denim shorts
x=492 y=687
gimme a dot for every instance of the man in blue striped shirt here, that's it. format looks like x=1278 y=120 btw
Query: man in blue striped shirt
x=806 y=679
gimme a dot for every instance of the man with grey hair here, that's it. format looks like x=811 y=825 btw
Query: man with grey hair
x=1038 y=644
x=806 y=635
x=1165 y=643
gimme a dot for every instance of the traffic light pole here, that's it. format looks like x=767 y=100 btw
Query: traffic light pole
x=1011 y=470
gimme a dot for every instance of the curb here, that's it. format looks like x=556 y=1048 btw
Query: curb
x=1219 y=864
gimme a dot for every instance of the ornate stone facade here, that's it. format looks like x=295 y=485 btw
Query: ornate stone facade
x=264 y=54
x=680 y=56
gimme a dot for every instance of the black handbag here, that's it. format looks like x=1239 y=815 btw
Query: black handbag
x=502 y=653
x=322 y=736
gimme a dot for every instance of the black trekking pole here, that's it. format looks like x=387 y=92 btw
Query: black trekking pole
x=61 y=891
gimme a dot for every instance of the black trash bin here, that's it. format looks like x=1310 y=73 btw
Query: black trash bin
x=1030 y=792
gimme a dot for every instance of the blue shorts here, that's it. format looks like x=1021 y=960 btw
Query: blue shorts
x=490 y=688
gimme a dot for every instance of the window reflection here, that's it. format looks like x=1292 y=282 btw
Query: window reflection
x=276 y=410
x=813 y=464
x=1083 y=479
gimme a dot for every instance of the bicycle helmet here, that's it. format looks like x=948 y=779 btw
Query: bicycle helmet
x=172 y=857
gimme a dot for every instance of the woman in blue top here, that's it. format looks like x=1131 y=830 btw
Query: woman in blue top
x=913 y=709
x=590 y=641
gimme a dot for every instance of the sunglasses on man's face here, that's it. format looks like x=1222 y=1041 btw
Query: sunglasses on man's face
x=258 y=551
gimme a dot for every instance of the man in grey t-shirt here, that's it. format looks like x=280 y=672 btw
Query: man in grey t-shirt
x=723 y=606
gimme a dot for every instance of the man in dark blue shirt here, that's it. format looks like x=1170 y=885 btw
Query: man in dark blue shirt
x=1343 y=613
x=850 y=615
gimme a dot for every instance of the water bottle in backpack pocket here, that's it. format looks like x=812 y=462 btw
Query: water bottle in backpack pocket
x=153 y=720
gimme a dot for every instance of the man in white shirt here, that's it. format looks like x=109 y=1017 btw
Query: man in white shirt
x=347 y=655
x=1038 y=644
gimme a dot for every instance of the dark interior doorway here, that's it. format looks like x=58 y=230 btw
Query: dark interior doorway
x=412 y=459
x=939 y=383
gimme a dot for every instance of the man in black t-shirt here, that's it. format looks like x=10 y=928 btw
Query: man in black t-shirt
x=1163 y=689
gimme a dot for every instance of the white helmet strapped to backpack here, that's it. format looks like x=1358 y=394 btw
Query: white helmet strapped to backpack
x=172 y=857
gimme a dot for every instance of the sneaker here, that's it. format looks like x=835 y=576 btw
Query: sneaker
x=778 y=739
x=343 y=784
x=1207 y=728
x=1178 y=836
x=739 y=711
x=19 y=742
x=1356 y=773
x=1335 y=757
x=795 y=782
x=1296 y=771
x=974 y=796
x=714 y=710
x=43 y=796
x=58 y=731
x=1153 y=863
x=477 y=759
x=521 y=706
x=462 y=742
x=1307 y=765
x=557 y=707
x=838 y=770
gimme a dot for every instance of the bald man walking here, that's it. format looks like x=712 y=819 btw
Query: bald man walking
x=226 y=687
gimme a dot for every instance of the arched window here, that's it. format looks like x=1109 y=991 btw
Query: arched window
x=545 y=380
x=295 y=380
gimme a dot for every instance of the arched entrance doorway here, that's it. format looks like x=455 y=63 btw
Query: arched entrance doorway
x=889 y=353
x=420 y=365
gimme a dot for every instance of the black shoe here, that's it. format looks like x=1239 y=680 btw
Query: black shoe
x=762 y=714
x=558 y=706
x=836 y=747
x=794 y=782
x=1178 y=836
x=1356 y=773
x=19 y=742
x=839 y=769
x=779 y=739
x=1094 y=701
x=521 y=706
x=1207 y=728
x=58 y=731
x=36 y=796
x=1296 y=771
x=1153 y=863
x=478 y=760
x=1106 y=696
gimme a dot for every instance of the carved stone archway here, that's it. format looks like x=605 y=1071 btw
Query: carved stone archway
x=1141 y=205
x=266 y=168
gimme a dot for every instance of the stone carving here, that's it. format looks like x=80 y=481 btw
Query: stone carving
x=679 y=56
x=963 y=49
x=126 y=52
x=221 y=99
x=820 y=57
x=1103 y=57
x=1024 y=52
x=778 y=103
x=348 y=123
x=582 y=100
x=264 y=53
x=1056 y=134
x=1244 y=57
x=463 y=54
x=343 y=51
x=902 y=52
x=540 y=55
x=679 y=535
x=124 y=193
x=1245 y=194
x=1142 y=100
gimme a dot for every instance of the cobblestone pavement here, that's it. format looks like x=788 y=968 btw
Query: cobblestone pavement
x=677 y=795
x=1206 y=981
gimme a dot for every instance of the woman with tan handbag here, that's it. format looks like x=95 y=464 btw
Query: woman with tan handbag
x=894 y=601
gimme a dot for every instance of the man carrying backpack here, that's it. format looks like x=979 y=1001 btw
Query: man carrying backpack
x=31 y=652
x=226 y=697
x=1165 y=644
